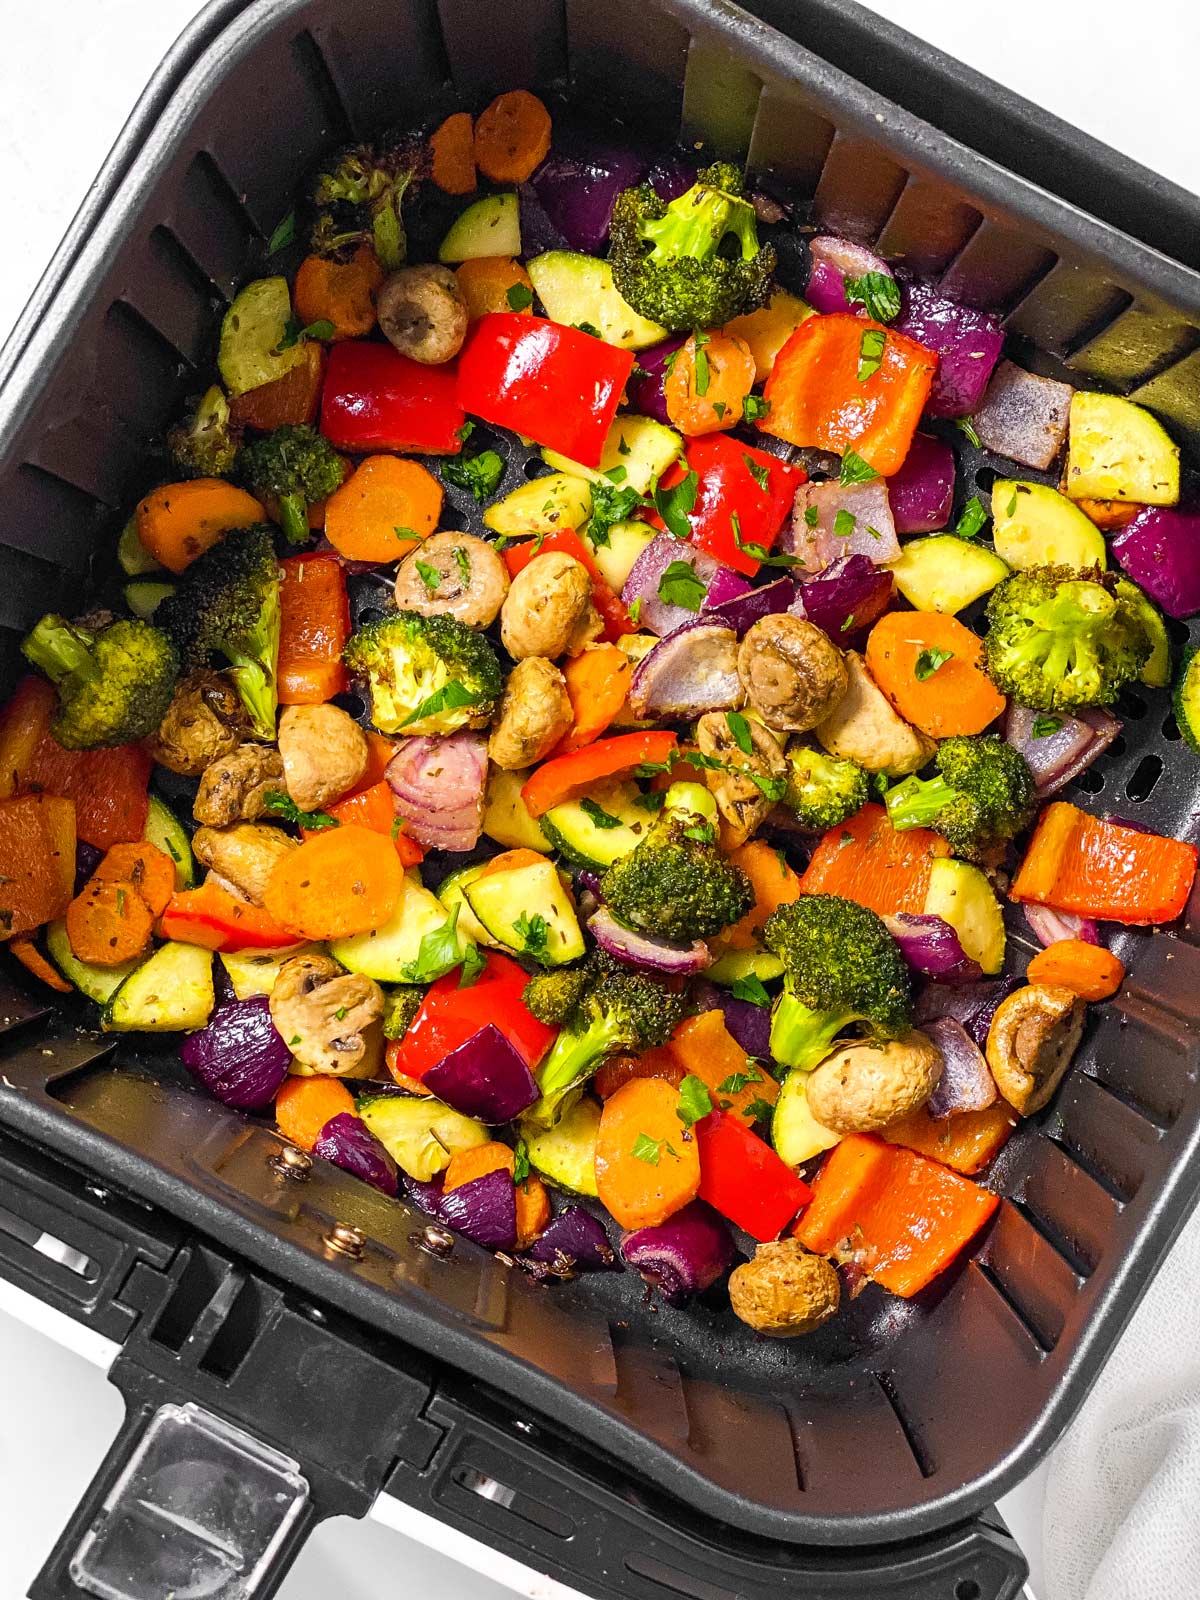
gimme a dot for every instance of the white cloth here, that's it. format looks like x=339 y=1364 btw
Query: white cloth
x=1122 y=1516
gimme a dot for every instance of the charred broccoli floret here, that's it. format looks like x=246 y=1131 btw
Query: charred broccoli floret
x=601 y=1008
x=427 y=675
x=822 y=790
x=675 y=884
x=294 y=465
x=693 y=263
x=841 y=966
x=359 y=198
x=227 y=603
x=984 y=793
x=114 y=684
x=1062 y=640
x=206 y=444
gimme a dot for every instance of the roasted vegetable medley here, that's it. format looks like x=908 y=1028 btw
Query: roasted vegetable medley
x=621 y=883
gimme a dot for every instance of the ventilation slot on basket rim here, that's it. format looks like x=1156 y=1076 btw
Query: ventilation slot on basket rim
x=1025 y=1318
x=921 y=1453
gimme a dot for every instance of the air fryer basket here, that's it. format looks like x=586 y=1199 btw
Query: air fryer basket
x=900 y=1418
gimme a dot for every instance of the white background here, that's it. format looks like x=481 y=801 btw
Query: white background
x=69 y=74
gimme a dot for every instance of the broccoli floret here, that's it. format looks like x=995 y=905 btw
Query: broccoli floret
x=294 y=465
x=1062 y=640
x=840 y=966
x=822 y=790
x=207 y=443
x=114 y=683
x=400 y=1007
x=427 y=675
x=602 y=1008
x=359 y=198
x=675 y=884
x=696 y=262
x=227 y=603
x=983 y=794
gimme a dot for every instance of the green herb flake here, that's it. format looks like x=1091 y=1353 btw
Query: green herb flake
x=675 y=506
x=282 y=805
x=120 y=902
x=472 y=966
x=533 y=933
x=737 y=1081
x=870 y=353
x=759 y=552
x=430 y=577
x=294 y=333
x=967 y=426
x=755 y=408
x=973 y=518
x=650 y=1150
x=653 y=800
x=464 y=433
x=462 y=561
x=480 y=474
x=855 y=469
x=848 y=624
x=450 y=697
x=635 y=611
x=1044 y=727
x=719 y=407
x=930 y=661
x=1012 y=505
x=437 y=954
x=740 y=729
x=701 y=832
x=597 y=816
x=694 y=1100
x=611 y=504
x=590 y=329
x=759 y=1110
x=758 y=472
x=616 y=474
x=749 y=988
x=769 y=787
x=623 y=446
x=679 y=586
x=285 y=232
x=844 y=524
x=878 y=292
x=703 y=372
x=340 y=1014
x=519 y=297
x=520 y=1161
x=811 y=516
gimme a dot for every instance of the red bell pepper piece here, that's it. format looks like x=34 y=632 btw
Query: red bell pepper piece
x=375 y=810
x=376 y=399
x=743 y=1178
x=606 y=601
x=1077 y=863
x=556 y=385
x=210 y=916
x=314 y=627
x=449 y=1016
x=564 y=777
x=735 y=481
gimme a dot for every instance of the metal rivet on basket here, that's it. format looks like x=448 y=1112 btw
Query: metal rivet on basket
x=292 y=1162
x=346 y=1240
x=433 y=1239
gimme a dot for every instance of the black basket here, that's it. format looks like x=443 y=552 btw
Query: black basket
x=864 y=1452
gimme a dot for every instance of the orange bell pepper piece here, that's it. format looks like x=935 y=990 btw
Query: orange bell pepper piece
x=210 y=916
x=563 y=777
x=867 y=860
x=314 y=627
x=965 y=1142
x=704 y=1046
x=774 y=884
x=37 y=861
x=1077 y=863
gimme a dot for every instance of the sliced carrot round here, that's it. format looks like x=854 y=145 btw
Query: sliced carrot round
x=383 y=510
x=341 y=882
x=108 y=923
x=452 y=154
x=706 y=388
x=928 y=665
x=340 y=292
x=512 y=137
x=149 y=869
x=1088 y=970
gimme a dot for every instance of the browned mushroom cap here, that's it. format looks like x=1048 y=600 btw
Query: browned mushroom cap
x=324 y=754
x=328 y=1018
x=864 y=1085
x=791 y=672
x=548 y=610
x=534 y=714
x=1031 y=1041
x=784 y=1291
x=745 y=787
x=453 y=574
x=235 y=787
x=422 y=312
x=244 y=855
x=205 y=720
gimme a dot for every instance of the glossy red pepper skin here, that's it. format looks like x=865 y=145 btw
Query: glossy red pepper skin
x=376 y=399
x=449 y=1016
x=743 y=1178
x=556 y=385
x=728 y=485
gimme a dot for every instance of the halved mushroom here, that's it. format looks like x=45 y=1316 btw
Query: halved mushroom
x=454 y=574
x=866 y=1085
x=534 y=714
x=792 y=673
x=422 y=312
x=324 y=754
x=784 y=1291
x=234 y=788
x=329 y=1019
x=548 y=610
x=205 y=720
x=1033 y=1036
x=863 y=727
x=244 y=855
x=745 y=787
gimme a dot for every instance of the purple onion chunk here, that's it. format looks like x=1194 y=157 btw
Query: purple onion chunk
x=438 y=788
x=1024 y=417
x=1049 y=926
x=744 y=610
x=538 y=233
x=578 y=191
x=671 y=176
x=692 y=671
x=972 y=1004
x=576 y=1241
x=664 y=616
x=484 y=1210
x=853 y=519
x=682 y=1256
x=921 y=493
x=749 y=1024
x=931 y=947
x=349 y=1143
x=847 y=597
x=968 y=345
x=1055 y=755
x=425 y=1195
x=484 y=1077
x=1160 y=549
x=646 y=389
x=833 y=261
x=965 y=1083
x=639 y=950
x=239 y=1056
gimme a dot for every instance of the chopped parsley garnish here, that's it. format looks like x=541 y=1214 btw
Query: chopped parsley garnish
x=740 y=729
x=694 y=1100
x=285 y=232
x=429 y=576
x=878 y=292
x=855 y=469
x=294 y=333
x=520 y=1161
x=611 y=504
x=519 y=297
x=449 y=697
x=282 y=805
x=650 y=1150
x=472 y=965
x=929 y=661
x=679 y=586
x=755 y=408
x=750 y=988
x=967 y=426
x=463 y=562
x=737 y=1081
x=1044 y=727
x=597 y=816
x=675 y=505
x=480 y=474
x=703 y=374
x=437 y=954
x=870 y=353
x=974 y=515
x=844 y=524
x=758 y=472
x=533 y=933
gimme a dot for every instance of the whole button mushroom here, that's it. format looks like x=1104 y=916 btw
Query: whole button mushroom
x=867 y=1085
x=235 y=787
x=784 y=1291
x=205 y=720
x=324 y=754
x=737 y=784
x=548 y=610
x=1033 y=1036
x=422 y=312
x=534 y=714
x=791 y=672
x=453 y=574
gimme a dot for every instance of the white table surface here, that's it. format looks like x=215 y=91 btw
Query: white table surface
x=70 y=72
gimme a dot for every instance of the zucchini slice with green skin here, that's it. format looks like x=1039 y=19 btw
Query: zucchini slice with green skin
x=962 y=896
x=638 y=450
x=528 y=911
x=144 y=596
x=489 y=227
x=387 y=954
x=420 y=1135
x=1156 y=674
x=578 y=290
x=1186 y=697
x=596 y=830
x=795 y=1132
x=565 y=1154
x=452 y=892
x=135 y=560
x=1117 y=451
x=623 y=544
x=506 y=817
x=248 y=354
x=945 y=573
x=736 y=964
x=94 y=983
x=171 y=992
x=164 y=829
x=253 y=972
x=1035 y=526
